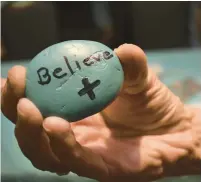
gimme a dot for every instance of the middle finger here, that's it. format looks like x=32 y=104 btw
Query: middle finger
x=32 y=139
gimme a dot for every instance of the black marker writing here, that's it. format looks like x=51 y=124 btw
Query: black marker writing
x=88 y=88
x=78 y=65
x=97 y=57
x=68 y=64
x=58 y=70
x=107 y=55
x=85 y=61
x=44 y=77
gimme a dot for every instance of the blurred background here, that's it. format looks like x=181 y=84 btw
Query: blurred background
x=169 y=32
x=28 y=27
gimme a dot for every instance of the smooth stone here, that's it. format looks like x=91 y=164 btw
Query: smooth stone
x=74 y=79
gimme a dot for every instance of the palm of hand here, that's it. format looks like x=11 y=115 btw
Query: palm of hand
x=123 y=158
x=127 y=157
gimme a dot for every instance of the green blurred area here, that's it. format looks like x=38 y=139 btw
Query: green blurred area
x=182 y=179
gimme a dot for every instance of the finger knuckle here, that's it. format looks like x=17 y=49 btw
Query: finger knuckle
x=77 y=154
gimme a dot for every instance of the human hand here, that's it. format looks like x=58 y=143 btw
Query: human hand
x=145 y=134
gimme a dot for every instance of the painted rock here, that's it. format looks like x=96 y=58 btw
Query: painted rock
x=74 y=79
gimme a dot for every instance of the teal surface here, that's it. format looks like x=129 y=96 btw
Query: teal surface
x=74 y=79
x=179 y=69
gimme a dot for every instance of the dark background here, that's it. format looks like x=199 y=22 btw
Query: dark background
x=29 y=27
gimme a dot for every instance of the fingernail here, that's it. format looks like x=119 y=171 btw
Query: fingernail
x=55 y=124
x=49 y=124
x=22 y=104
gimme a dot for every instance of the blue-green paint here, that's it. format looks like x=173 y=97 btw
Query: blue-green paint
x=57 y=75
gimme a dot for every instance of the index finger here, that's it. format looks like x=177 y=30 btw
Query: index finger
x=134 y=63
x=12 y=91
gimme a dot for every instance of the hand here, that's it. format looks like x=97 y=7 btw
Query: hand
x=145 y=134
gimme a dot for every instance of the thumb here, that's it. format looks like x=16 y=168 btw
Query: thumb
x=134 y=63
x=144 y=105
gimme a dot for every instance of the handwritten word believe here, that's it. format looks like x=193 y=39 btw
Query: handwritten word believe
x=45 y=77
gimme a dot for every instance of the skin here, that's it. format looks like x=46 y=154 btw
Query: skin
x=147 y=133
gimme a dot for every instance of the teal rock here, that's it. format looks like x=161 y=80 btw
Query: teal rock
x=74 y=79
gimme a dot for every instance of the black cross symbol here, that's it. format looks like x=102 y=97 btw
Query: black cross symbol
x=88 y=88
